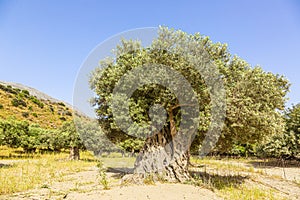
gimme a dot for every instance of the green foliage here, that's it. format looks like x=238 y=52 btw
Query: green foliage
x=16 y=134
x=25 y=114
x=254 y=98
x=36 y=101
x=103 y=176
x=11 y=132
x=8 y=89
x=51 y=108
x=67 y=112
x=18 y=102
x=61 y=104
x=63 y=119
x=93 y=137
x=131 y=145
x=243 y=150
x=70 y=134
x=26 y=93
x=1 y=106
x=286 y=145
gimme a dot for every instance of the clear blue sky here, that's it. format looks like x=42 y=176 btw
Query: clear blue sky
x=43 y=43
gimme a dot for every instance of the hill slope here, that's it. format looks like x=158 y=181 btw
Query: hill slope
x=25 y=103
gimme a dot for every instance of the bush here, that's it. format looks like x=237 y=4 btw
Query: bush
x=8 y=89
x=68 y=113
x=26 y=92
x=36 y=101
x=25 y=114
x=34 y=114
x=51 y=108
x=1 y=106
x=18 y=102
x=61 y=104
x=62 y=118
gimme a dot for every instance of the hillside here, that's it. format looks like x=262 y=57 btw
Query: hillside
x=25 y=103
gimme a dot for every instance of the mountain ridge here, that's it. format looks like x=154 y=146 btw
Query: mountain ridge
x=35 y=92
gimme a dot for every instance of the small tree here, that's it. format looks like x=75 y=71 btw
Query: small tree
x=12 y=132
x=93 y=137
x=72 y=139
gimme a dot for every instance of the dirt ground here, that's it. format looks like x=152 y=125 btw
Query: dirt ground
x=85 y=185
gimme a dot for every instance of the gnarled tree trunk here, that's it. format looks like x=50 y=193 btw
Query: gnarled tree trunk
x=165 y=153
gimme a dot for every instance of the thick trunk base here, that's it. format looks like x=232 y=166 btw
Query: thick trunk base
x=74 y=153
x=164 y=158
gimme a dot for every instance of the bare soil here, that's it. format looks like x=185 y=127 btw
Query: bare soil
x=85 y=185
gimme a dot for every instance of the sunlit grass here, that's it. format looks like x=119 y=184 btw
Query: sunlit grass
x=252 y=192
x=231 y=179
x=40 y=172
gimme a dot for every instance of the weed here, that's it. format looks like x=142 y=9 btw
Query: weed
x=149 y=179
x=102 y=175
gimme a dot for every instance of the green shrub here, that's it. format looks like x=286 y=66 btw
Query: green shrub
x=25 y=114
x=68 y=113
x=36 y=101
x=102 y=175
x=1 y=106
x=51 y=108
x=62 y=118
x=61 y=104
x=8 y=89
x=26 y=92
x=18 y=102
x=34 y=114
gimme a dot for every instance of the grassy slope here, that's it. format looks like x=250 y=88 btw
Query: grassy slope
x=50 y=115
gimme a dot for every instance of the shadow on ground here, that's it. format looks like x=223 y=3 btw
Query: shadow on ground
x=218 y=181
x=119 y=171
x=5 y=165
x=275 y=163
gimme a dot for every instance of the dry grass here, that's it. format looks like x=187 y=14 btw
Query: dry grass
x=229 y=179
x=44 y=116
x=250 y=192
x=40 y=171
x=232 y=179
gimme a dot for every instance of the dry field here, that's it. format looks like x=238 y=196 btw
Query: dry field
x=49 y=176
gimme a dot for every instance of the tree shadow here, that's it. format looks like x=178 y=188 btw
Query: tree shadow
x=24 y=156
x=89 y=159
x=218 y=181
x=271 y=163
x=3 y=166
x=119 y=171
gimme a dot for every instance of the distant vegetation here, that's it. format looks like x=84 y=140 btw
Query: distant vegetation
x=20 y=105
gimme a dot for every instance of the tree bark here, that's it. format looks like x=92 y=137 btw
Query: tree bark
x=161 y=155
x=74 y=153
x=165 y=154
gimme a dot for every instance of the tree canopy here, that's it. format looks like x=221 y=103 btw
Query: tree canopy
x=254 y=98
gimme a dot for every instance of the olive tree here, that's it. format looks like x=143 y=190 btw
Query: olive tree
x=155 y=110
